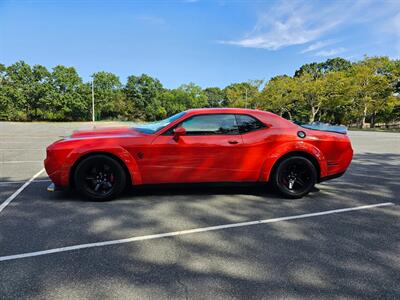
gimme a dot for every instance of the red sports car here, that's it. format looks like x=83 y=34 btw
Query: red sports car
x=200 y=145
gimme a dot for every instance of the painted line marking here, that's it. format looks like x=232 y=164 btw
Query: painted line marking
x=17 y=192
x=20 y=161
x=5 y=183
x=185 y=232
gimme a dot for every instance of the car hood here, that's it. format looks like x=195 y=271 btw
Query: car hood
x=106 y=132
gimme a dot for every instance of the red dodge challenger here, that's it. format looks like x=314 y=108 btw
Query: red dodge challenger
x=200 y=145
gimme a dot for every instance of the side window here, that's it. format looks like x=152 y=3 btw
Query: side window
x=210 y=124
x=247 y=123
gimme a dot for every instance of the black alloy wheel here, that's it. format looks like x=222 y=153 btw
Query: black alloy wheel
x=295 y=176
x=100 y=177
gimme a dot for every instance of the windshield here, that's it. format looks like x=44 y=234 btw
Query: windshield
x=158 y=125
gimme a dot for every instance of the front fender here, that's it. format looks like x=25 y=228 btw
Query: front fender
x=292 y=147
x=117 y=151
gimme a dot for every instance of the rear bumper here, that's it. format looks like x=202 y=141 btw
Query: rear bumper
x=337 y=167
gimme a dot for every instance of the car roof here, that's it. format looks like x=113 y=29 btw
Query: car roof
x=224 y=110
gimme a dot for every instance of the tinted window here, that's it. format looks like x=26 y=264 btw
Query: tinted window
x=247 y=123
x=210 y=124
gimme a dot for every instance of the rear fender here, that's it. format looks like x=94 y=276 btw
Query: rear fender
x=119 y=152
x=292 y=147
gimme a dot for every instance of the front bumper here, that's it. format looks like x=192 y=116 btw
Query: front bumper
x=53 y=170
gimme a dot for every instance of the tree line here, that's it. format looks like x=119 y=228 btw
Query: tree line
x=336 y=91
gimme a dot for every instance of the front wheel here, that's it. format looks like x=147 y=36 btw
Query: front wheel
x=99 y=177
x=294 y=177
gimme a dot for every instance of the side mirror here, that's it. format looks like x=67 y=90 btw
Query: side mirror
x=179 y=131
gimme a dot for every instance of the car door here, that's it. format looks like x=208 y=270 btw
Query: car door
x=210 y=151
x=256 y=144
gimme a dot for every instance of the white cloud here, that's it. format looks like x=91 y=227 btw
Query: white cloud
x=287 y=24
x=149 y=19
x=299 y=22
x=282 y=34
x=284 y=25
x=330 y=52
x=318 y=45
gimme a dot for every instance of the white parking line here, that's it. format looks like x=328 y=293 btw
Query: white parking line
x=17 y=192
x=189 y=231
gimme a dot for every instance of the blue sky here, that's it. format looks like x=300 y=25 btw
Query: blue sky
x=211 y=43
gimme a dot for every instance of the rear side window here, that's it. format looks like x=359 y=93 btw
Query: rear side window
x=247 y=123
x=211 y=124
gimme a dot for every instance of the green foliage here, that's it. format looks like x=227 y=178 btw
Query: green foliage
x=110 y=99
x=280 y=95
x=67 y=99
x=336 y=91
x=317 y=70
x=243 y=94
x=143 y=92
x=216 y=97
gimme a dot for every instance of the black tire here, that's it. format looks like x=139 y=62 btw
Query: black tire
x=99 y=177
x=294 y=177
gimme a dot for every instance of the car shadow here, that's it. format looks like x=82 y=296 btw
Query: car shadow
x=353 y=255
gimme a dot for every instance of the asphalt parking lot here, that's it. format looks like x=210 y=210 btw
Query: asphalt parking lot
x=338 y=242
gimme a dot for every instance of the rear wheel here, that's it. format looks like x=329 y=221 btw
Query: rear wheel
x=294 y=177
x=99 y=177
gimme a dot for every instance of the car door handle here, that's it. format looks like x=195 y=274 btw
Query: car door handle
x=232 y=142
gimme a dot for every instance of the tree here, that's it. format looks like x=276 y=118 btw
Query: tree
x=338 y=101
x=280 y=96
x=185 y=97
x=311 y=94
x=390 y=112
x=109 y=99
x=316 y=81
x=332 y=91
x=5 y=102
x=371 y=89
x=313 y=69
x=39 y=92
x=335 y=64
x=19 y=78
x=69 y=100
x=143 y=92
x=216 y=97
x=318 y=70
x=396 y=76
x=243 y=94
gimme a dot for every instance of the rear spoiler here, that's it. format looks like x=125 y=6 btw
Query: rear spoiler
x=324 y=127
